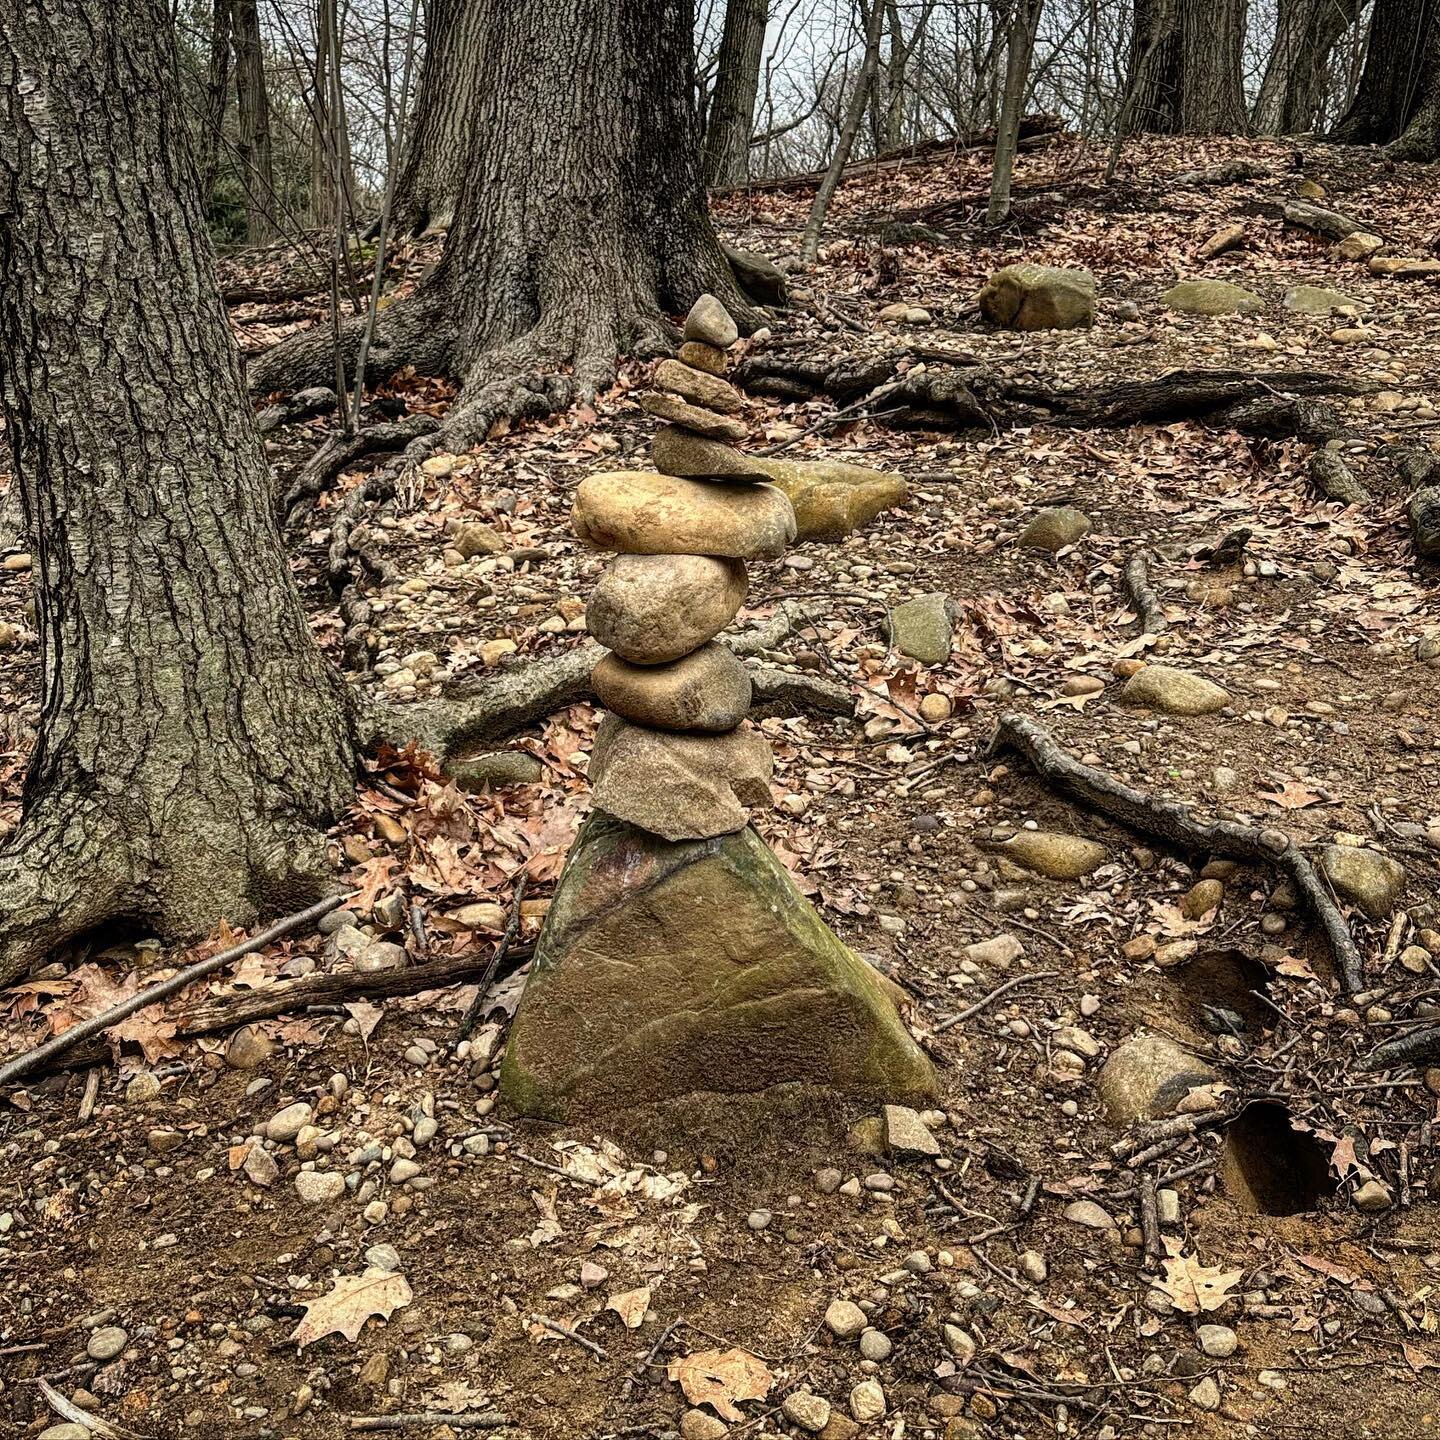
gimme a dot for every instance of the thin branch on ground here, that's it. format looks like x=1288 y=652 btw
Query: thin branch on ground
x=512 y=928
x=1147 y=602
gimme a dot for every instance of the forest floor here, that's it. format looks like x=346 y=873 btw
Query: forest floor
x=157 y=1257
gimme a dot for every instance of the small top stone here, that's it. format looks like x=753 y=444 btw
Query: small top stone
x=709 y=321
x=1055 y=528
x=845 y=1319
x=906 y=1133
x=286 y=1124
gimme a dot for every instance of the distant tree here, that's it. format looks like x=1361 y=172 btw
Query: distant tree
x=1293 y=90
x=1019 y=48
x=1186 y=67
x=737 y=82
x=1398 y=101
x=581 y=220
x=254 y=152
x=193 y=742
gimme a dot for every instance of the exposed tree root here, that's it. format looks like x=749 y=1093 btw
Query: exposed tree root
x=1147 y=602
x=515 y=696
x=1178 y=825
x=1334 y=480
x=1414 y=1048
x=969 y=396
x=341 y=451
x=299 y=406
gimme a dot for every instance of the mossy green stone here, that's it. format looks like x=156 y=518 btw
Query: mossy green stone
x=1211 y=297
x=667 y=969
x=832 y=499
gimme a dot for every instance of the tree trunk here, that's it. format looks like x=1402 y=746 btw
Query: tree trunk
x=581 y=223
x=332 y=175
x=1186 y=67
x=1398 y=102
x=1019 y=47
x=1294 y=85
x=437 y=147
x=217 y=86
x=253 y=151
x=737 y=82
x=193 y=741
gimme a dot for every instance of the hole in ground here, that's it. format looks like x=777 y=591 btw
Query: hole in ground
x=1269 y=1167
x=1220 y=990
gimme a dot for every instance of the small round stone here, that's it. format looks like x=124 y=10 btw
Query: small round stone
x=1216 y=1341
x=875 y=1345
x=106 y=1343
x=758 y=1219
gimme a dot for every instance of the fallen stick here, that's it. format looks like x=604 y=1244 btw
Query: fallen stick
x=1415 y=1047
x=68 y=1410
x=1175 y=822
x=488 y=1420
x=512 y=926
x=567 y=1333
x=993 y=996
x=1150 y=1217
x=1147 y=602
x=161 y=990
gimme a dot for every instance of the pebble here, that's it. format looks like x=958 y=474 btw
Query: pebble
x=106 y=1343
x=828 y=1180
x=286 y=1124
x=383 y=1257
x=875 y=1345
x=905 y=1134
x=758 y=1219
x=1372 y=1196
x=403 y=1170
x=1206 y=1395
x=260 y=1167
x=1088 y=1214
x=319 y=1187
x=1033 y=1266
x=66 y=1430
x=142 y=1088
x=1217 y=1341
x=248 y=1049
x=806 y=1411
x=867 y=1402
x=702 y=1425
x=958 y=1343
x=845 y=1319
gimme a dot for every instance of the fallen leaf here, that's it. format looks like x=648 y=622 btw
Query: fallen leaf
x=1193 y=1287
x=350 y=1303
x=1290 y=796
x=365 y=1015
x=630 y=1306
x=720 y=1378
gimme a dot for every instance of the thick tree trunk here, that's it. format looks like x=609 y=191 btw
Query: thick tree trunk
x=217 y=88
x=437 y=147
x=581 y=223
x=253 y=150
x=1186 y=67
x=737 y=82
x=1398 y=101
x=193 y=741
x=1019 y=47
x=1291 y=93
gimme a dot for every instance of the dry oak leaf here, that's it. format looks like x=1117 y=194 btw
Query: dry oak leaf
x=1193 y=1287
x=719 y=1378
x=350 y=1303
x=630 y=1306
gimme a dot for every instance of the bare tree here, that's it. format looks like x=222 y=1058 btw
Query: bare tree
x=1185 y=67
x=1019 y=48
x=254 y=153
x=1293 y=89
x=737 y=82
x=1398 y=102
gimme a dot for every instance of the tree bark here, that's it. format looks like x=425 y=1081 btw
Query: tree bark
x=581 y=223
x=1019 y=47
x=737 y=82
x=332 y=175
x=1291 y=93
x=217 y=87
x=440 y=132
x=1398 y=102
x=253 y=150
x=193 y=741
x=1186 y=67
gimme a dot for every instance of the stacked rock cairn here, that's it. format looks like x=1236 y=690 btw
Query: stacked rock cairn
x=672 y=756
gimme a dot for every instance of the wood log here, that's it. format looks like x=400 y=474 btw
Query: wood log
x=1334 y=480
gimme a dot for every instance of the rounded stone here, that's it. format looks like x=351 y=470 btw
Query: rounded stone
x=1174 y=692
x=1216 y=1341
x=699 y=387
x=867 y=1402
x=106 y=1343
x=651 y=609
x=319 y=1187
x=248 y=1049
x=639 y=513
x=704 y=357
x=875 y=1345
x=681 y=452
x=711 y=323
x=707 y=690
x=66 y=1430
x=806 y=1411
x=286 y=1124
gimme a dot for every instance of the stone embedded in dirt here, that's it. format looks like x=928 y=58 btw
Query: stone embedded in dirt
x=1201 y=898
x=1359 y=245
x=1216 y=1341
x=1403 y=267
x=958 y=1344
x=875 y=1346
x=700 y=356
x=699 y=387
x=693 y=417
x=666 y=970
x=142 y=1088
x=999 y=951
x=1060 y=857
x=472 y=540
x=248 y=1049
x=867 y=1402
x=1317 y=300
x=106 y=1343
x=1372 y=1196
x=924 y=628
x=1222 y=240
x=678 y=451
x=495 y=770
x=1174 y=692
x=709 y=689
x=1033 y=1266
x=284 y=1125
x=65 y=1430
x=828 y=1180
x=1055 y=529
x=639 y=513
x=906 y=1133
x=676 y=786
x=1146 y=1077
x=1371 y=879
x=381 y=955
x=1211 y=297
x=709 y=321
x=936 y=708
x=1088 y=1214
x=162 y=1142
x=650 y=609
x=1206 y=1395
x=832 y=499
x=702 y=1425
x=260 y=1167
x=1039 y=297
x=806 y=1411
x=845 y=1319
x=319 y=1187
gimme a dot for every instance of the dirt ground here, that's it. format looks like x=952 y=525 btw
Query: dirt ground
x=599 y=1281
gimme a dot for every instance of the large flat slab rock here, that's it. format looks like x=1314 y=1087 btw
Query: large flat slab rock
x=833 y=499
x=665 y=970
